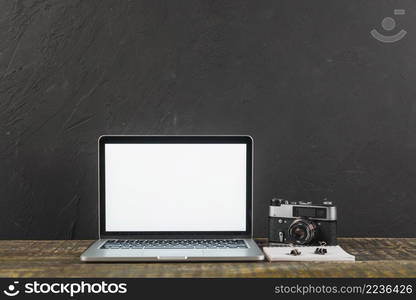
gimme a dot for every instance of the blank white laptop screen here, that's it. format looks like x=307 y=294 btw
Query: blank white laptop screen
x=175 y=187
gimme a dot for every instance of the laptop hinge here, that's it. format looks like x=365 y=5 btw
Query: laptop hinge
x=167 y=236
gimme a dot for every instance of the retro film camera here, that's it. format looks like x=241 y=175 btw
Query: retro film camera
x=302 y=223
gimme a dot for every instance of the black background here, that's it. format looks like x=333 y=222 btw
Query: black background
x=331 y=110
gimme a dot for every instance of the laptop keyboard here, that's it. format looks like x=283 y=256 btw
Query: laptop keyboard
x=174 y=244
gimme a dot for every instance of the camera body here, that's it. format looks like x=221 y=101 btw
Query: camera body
x=302 y=223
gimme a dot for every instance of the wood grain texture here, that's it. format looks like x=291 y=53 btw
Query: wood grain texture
x=60 y=258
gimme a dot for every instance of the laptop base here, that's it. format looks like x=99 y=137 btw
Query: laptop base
x=96 y=253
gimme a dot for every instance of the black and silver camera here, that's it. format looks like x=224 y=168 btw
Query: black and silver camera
x=302 y=223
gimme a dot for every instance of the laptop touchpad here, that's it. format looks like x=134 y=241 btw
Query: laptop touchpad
x=172 y=252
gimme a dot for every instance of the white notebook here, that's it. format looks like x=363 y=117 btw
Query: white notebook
x=282 y=253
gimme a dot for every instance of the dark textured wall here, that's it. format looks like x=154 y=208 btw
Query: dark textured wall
x=332 y=110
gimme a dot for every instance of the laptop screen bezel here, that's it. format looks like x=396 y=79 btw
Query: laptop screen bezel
x=129 y=139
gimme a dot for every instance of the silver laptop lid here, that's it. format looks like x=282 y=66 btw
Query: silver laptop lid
x=175 y=186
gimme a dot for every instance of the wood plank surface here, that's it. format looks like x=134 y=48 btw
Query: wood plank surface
x=376 y=257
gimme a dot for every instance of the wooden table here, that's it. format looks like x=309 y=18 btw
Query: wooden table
x=60 y=258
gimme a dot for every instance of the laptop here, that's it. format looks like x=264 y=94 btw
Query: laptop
x=174 y=198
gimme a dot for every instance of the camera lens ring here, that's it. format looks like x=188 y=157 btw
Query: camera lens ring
x=302 y=231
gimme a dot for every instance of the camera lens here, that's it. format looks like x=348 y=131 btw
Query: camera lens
x=302 y=231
